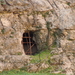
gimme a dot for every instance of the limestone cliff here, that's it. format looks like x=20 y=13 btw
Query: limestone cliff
x=51 y=20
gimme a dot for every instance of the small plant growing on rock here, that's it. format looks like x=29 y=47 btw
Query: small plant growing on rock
x=68 y=3
x=3 y=31
x=45 y=14
x=11 y=36
x=52 y=11
x=19 y=53
x=2 y=2
x=48 y=25
x=38 y=27
x=12 y=32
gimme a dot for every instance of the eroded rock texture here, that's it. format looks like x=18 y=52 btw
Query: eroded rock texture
x=51 y=20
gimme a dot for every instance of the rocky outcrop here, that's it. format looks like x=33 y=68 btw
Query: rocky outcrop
x=8 y=62
x=51 y=20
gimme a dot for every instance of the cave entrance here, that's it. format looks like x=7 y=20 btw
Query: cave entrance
x=29 y=45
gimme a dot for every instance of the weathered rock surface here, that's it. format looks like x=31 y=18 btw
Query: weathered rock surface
x=8 y=62
x=51 y=20
x=37 y=67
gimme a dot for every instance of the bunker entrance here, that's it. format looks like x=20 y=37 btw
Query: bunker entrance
x=29 y=45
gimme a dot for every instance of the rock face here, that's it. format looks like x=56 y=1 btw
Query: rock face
x=53 y=21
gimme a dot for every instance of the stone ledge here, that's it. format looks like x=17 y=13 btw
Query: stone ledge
x=24 y=5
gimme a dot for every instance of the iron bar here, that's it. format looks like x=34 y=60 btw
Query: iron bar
x=30 y=43
x=26 y=37
x=27 y=42
x=29 y=48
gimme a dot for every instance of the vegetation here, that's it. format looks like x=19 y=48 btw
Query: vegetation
x=45 y=14
x=2 y=2
x=40 y=57
x=48 y=25
x=18 y=72
x=43 y=55
x=3 y=31
x=11 y=36
x=68 y=3
x=38 y=27
x=52 y=11
x=12 y=32
x=19 y=53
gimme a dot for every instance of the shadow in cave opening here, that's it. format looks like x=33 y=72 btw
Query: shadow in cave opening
x=29 y=45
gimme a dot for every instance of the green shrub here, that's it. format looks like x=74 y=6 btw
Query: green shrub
x=3 y=31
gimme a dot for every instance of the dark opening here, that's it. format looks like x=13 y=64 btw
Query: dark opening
x=29 y=45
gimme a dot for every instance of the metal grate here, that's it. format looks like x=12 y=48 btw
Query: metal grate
x=28 y=43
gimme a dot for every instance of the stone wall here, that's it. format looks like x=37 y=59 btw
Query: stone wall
x=53 y=21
